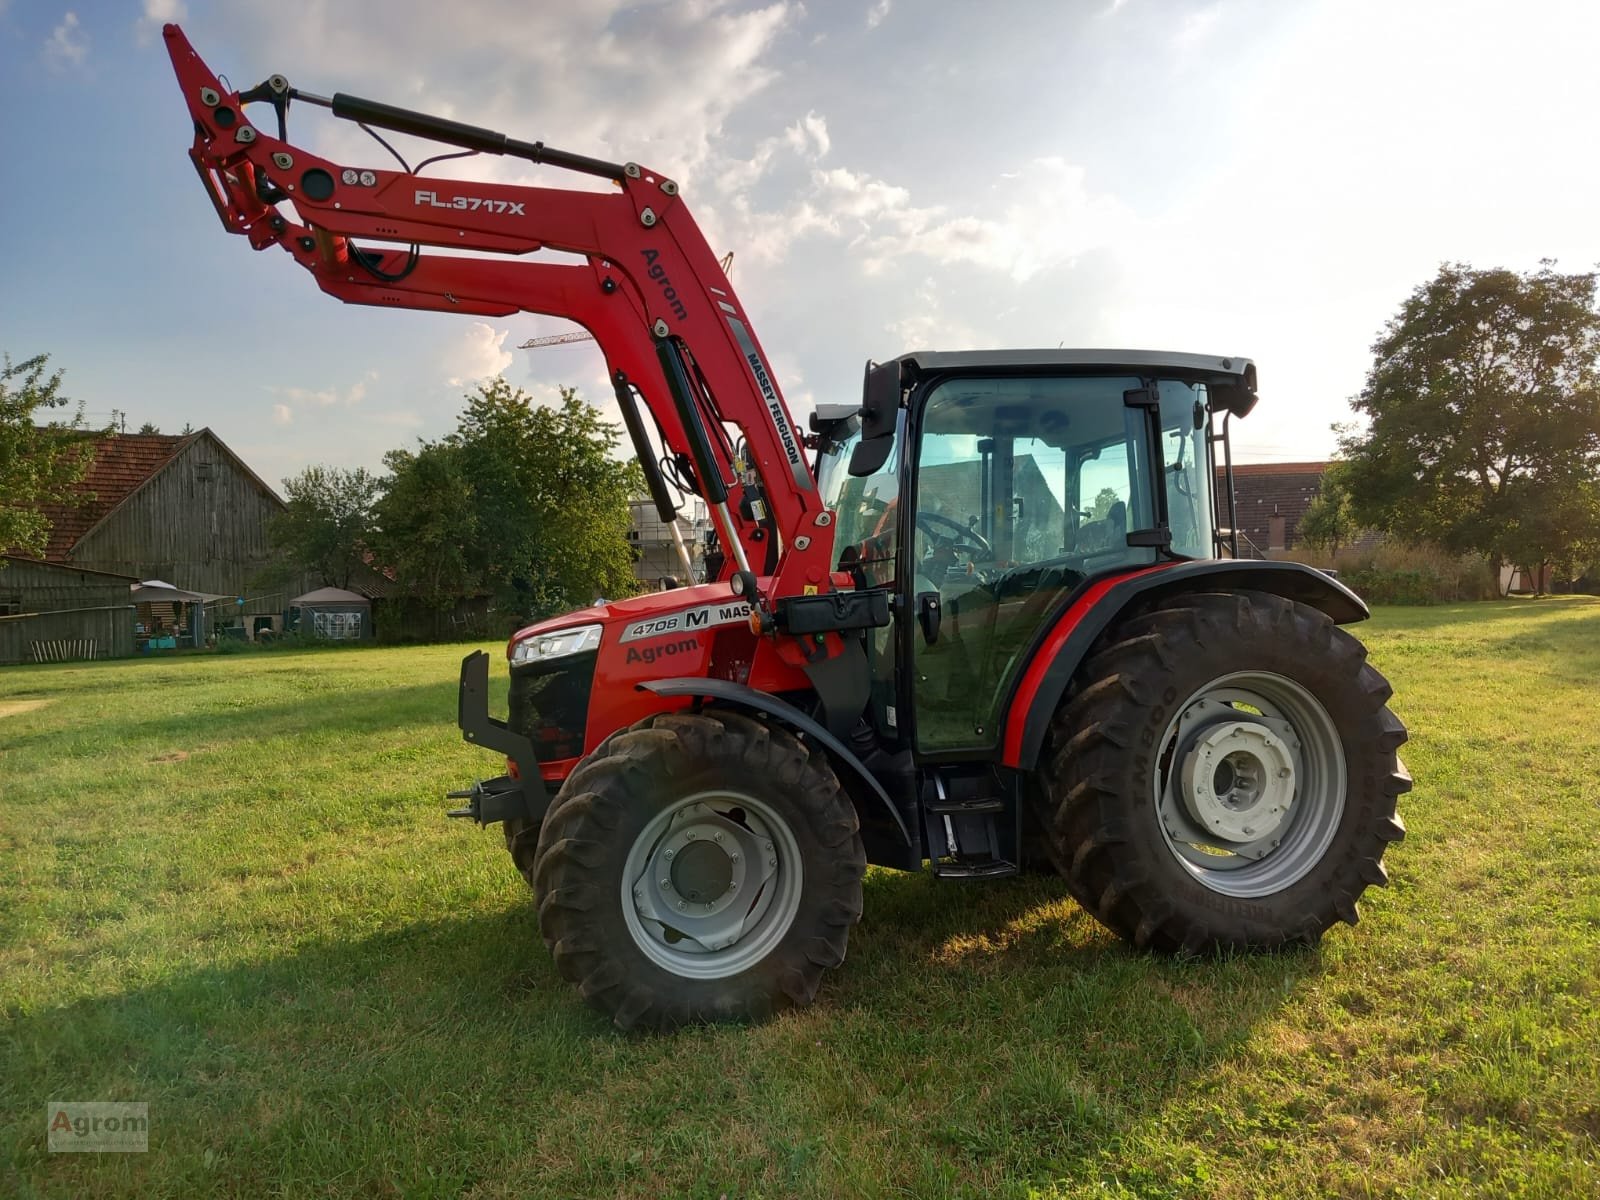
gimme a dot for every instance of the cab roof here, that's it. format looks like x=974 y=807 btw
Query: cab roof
x=1141 y=360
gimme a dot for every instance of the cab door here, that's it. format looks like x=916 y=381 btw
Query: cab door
x=1020 y=488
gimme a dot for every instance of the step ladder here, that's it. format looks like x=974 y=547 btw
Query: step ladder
x=970 y=836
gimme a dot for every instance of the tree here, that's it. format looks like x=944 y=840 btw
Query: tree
x=1103 y=500
x=326 y=526
x=427 y=522
x=149 y=427
x=523 y=501
x=39 y=464
x=1483 y=410
x=1329 y=521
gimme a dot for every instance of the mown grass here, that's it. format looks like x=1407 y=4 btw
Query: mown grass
x=228 y=890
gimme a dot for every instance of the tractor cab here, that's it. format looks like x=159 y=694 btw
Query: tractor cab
x=983 y=488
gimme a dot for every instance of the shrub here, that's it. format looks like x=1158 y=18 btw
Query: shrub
x=1411 y=573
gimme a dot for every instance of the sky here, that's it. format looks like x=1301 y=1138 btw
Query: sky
x=1268 y=178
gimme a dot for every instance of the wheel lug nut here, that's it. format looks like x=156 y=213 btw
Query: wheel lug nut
x=772 y=862
x=683 y=904
x=666 y=884
x=734 y=857
x=716 y=837
x=690 y=834
x=668 y=854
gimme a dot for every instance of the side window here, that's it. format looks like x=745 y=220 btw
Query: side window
x=867 y=513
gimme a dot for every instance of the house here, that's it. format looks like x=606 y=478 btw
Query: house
x=655 y=557
x=1269 y=500
x=178 y=507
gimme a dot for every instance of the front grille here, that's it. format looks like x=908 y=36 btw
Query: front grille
x=550 y=704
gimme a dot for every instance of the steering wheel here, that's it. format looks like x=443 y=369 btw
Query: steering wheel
x=969 y=538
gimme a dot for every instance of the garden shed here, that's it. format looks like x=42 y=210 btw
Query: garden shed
x=51 y=612
x=331 y=613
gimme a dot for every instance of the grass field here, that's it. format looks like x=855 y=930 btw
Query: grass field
x=226 y=888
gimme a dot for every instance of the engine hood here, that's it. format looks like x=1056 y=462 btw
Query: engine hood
x=627 y=613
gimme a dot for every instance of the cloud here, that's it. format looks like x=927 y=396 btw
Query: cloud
x=1047 y=216
x=879 y=11
x=282 y=414
x=1196 y=26
x=68 y=45
x=478 y=354
x=158 y=13
x=321 y=397
x=928 y=325
x=810 y=131
x=650 y=83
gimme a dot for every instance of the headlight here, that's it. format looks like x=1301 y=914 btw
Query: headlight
x=556 y=644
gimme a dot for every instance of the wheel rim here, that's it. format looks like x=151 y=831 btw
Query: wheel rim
x=1251 y=785
x=711 y=884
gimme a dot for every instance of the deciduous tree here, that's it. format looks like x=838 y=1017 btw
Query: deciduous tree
x=326 y=528
x=427 y=526
x=1329 y=521
x=1483 y=416
x=524 y=501
x=39 y=463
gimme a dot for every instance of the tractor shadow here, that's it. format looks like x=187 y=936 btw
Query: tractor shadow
x=995 y=1027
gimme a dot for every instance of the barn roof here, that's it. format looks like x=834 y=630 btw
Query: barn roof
x=45 y=565
x=1266 y=490
x=122 y=463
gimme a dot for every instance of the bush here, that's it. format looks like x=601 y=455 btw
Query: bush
x=1417 y=573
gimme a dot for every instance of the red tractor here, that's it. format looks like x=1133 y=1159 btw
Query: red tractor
x=996 y=621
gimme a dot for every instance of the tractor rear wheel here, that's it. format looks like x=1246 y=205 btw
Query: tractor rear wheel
x=699 y=867
x=1224 y=777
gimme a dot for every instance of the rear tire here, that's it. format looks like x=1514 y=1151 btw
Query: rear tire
x=699 y=867
x=1225 y=777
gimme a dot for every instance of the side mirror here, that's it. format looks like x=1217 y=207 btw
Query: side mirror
x=880 y=411
x=1235 y=398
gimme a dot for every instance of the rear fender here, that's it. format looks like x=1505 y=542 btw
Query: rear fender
x=1097 y=607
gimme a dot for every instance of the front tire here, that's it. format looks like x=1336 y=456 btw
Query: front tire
x=699 y=867
x=1225 y=777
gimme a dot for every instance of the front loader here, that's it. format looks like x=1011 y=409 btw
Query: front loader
x=994 y=620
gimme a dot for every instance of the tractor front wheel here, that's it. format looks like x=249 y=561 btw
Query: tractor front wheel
x=698 y=867
x=1224 y=777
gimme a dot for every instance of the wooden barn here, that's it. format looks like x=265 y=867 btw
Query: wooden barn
x=55 y=613
x=178 y=507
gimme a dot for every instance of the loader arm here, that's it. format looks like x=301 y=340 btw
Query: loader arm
x=652 y=292
x=590 y=295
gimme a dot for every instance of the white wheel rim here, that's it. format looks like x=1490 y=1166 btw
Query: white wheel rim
x=1258 y=837
x=712 y=884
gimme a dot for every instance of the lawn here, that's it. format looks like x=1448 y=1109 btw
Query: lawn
x=227 y=889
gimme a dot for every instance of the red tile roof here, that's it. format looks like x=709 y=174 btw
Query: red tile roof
x=1265 y=490
x=122 y=463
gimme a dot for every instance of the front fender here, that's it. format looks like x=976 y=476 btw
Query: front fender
x=1096 y=606
x=725 y=691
